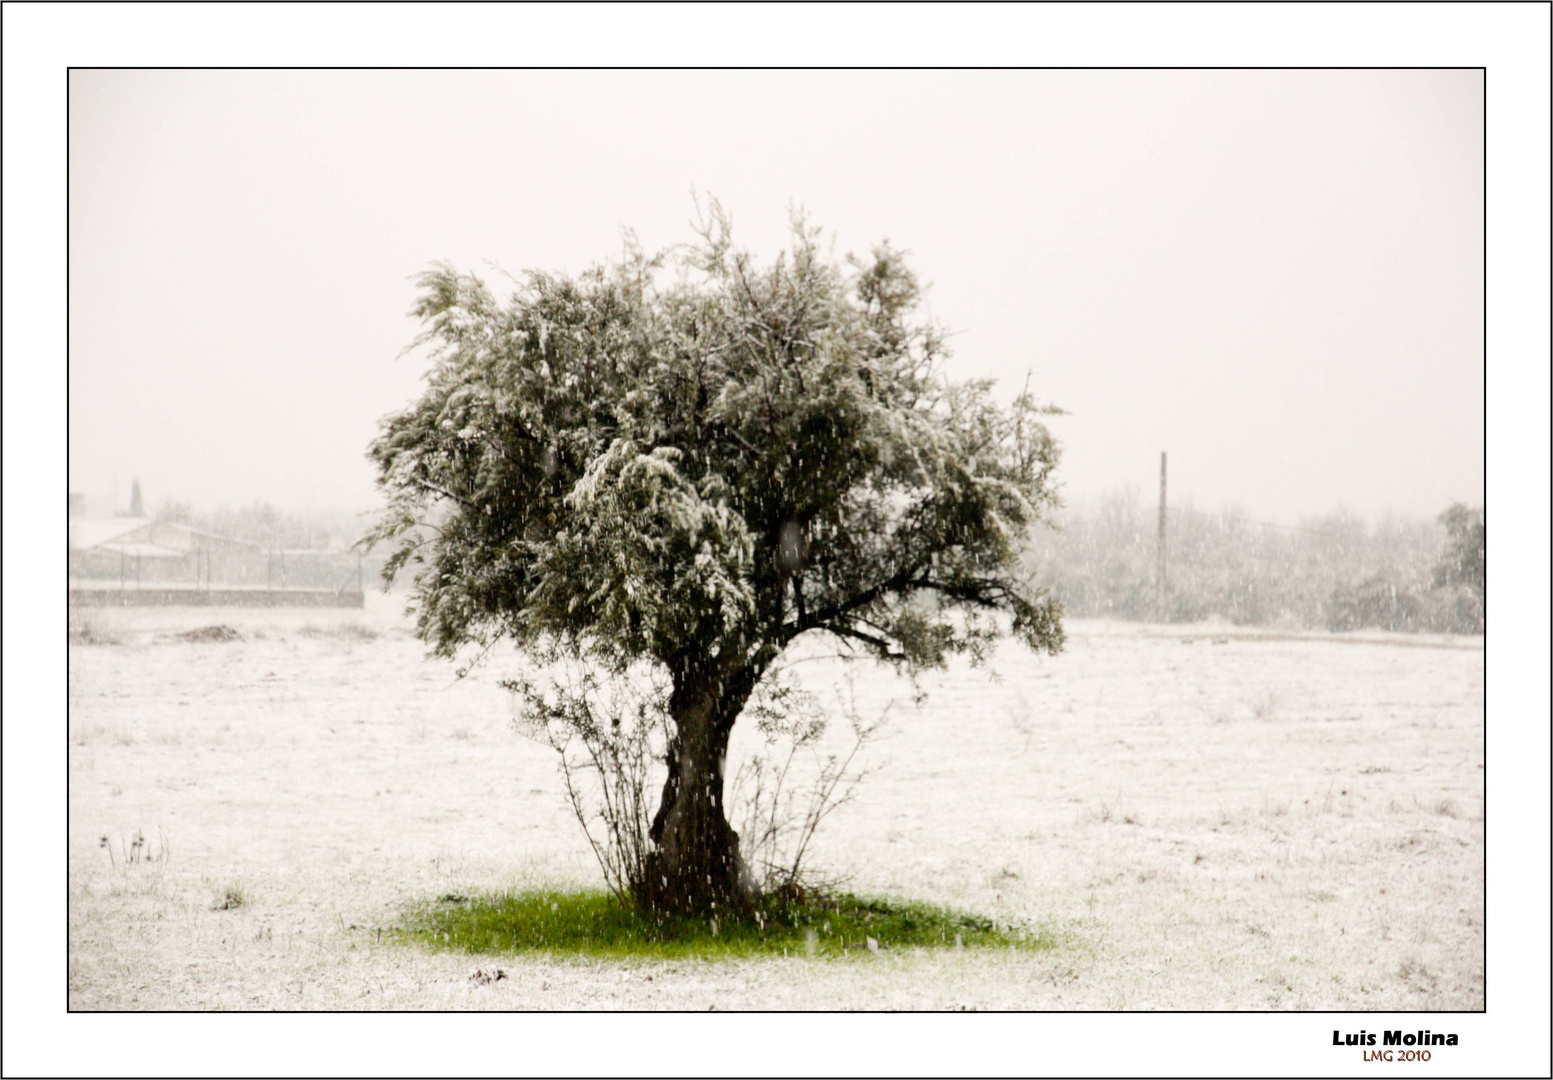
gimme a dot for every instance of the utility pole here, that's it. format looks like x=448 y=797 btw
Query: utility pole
x=1161 y=575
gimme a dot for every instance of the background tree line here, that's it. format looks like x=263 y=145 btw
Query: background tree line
x=265 y=525
x=1335 y=572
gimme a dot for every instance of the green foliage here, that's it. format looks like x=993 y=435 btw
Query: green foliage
x=622 y=468
x=597 y=924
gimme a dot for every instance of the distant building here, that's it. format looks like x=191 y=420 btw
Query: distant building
x=139 y=561
x=141 y=548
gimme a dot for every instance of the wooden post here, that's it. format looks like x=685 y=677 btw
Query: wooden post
x=1161 y=575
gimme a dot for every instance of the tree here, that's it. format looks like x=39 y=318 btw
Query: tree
x=693 y=474
x=1465 y=560
x=175 y=511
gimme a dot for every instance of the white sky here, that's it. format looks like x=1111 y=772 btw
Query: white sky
x=1275 y=276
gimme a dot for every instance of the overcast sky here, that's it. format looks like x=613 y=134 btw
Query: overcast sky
x=1277 y=277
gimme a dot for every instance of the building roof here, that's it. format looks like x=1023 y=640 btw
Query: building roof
x=141 y=551
x=88 y=532
x=116 y=534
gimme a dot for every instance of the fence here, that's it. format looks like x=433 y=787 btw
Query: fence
x=130 y=575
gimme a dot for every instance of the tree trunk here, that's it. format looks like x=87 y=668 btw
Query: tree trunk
x=695 y=868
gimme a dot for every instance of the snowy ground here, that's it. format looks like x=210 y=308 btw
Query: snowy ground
x=1212 y=819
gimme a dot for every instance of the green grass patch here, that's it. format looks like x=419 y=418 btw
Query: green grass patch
x=596 y=924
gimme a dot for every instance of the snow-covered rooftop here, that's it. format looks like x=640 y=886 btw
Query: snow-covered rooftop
x=88 y=532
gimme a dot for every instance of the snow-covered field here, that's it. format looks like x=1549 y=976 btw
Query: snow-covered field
x=1210 y=818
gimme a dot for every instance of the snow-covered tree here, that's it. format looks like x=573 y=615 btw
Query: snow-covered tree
x=693 y=473
x=1465 y=560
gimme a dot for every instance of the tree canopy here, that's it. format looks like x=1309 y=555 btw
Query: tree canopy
x=691 y=459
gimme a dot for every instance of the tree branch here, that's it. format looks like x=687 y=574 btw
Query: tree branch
x=882 y=644
x=435 y=490
x=896 y=583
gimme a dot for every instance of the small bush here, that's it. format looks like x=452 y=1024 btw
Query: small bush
x=85 y=630
x=344 y=632
x=611 y=735
x=213 y=633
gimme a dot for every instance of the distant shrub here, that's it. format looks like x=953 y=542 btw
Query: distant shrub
x=213 y=633
x=1374 y=603
x=85 y=630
